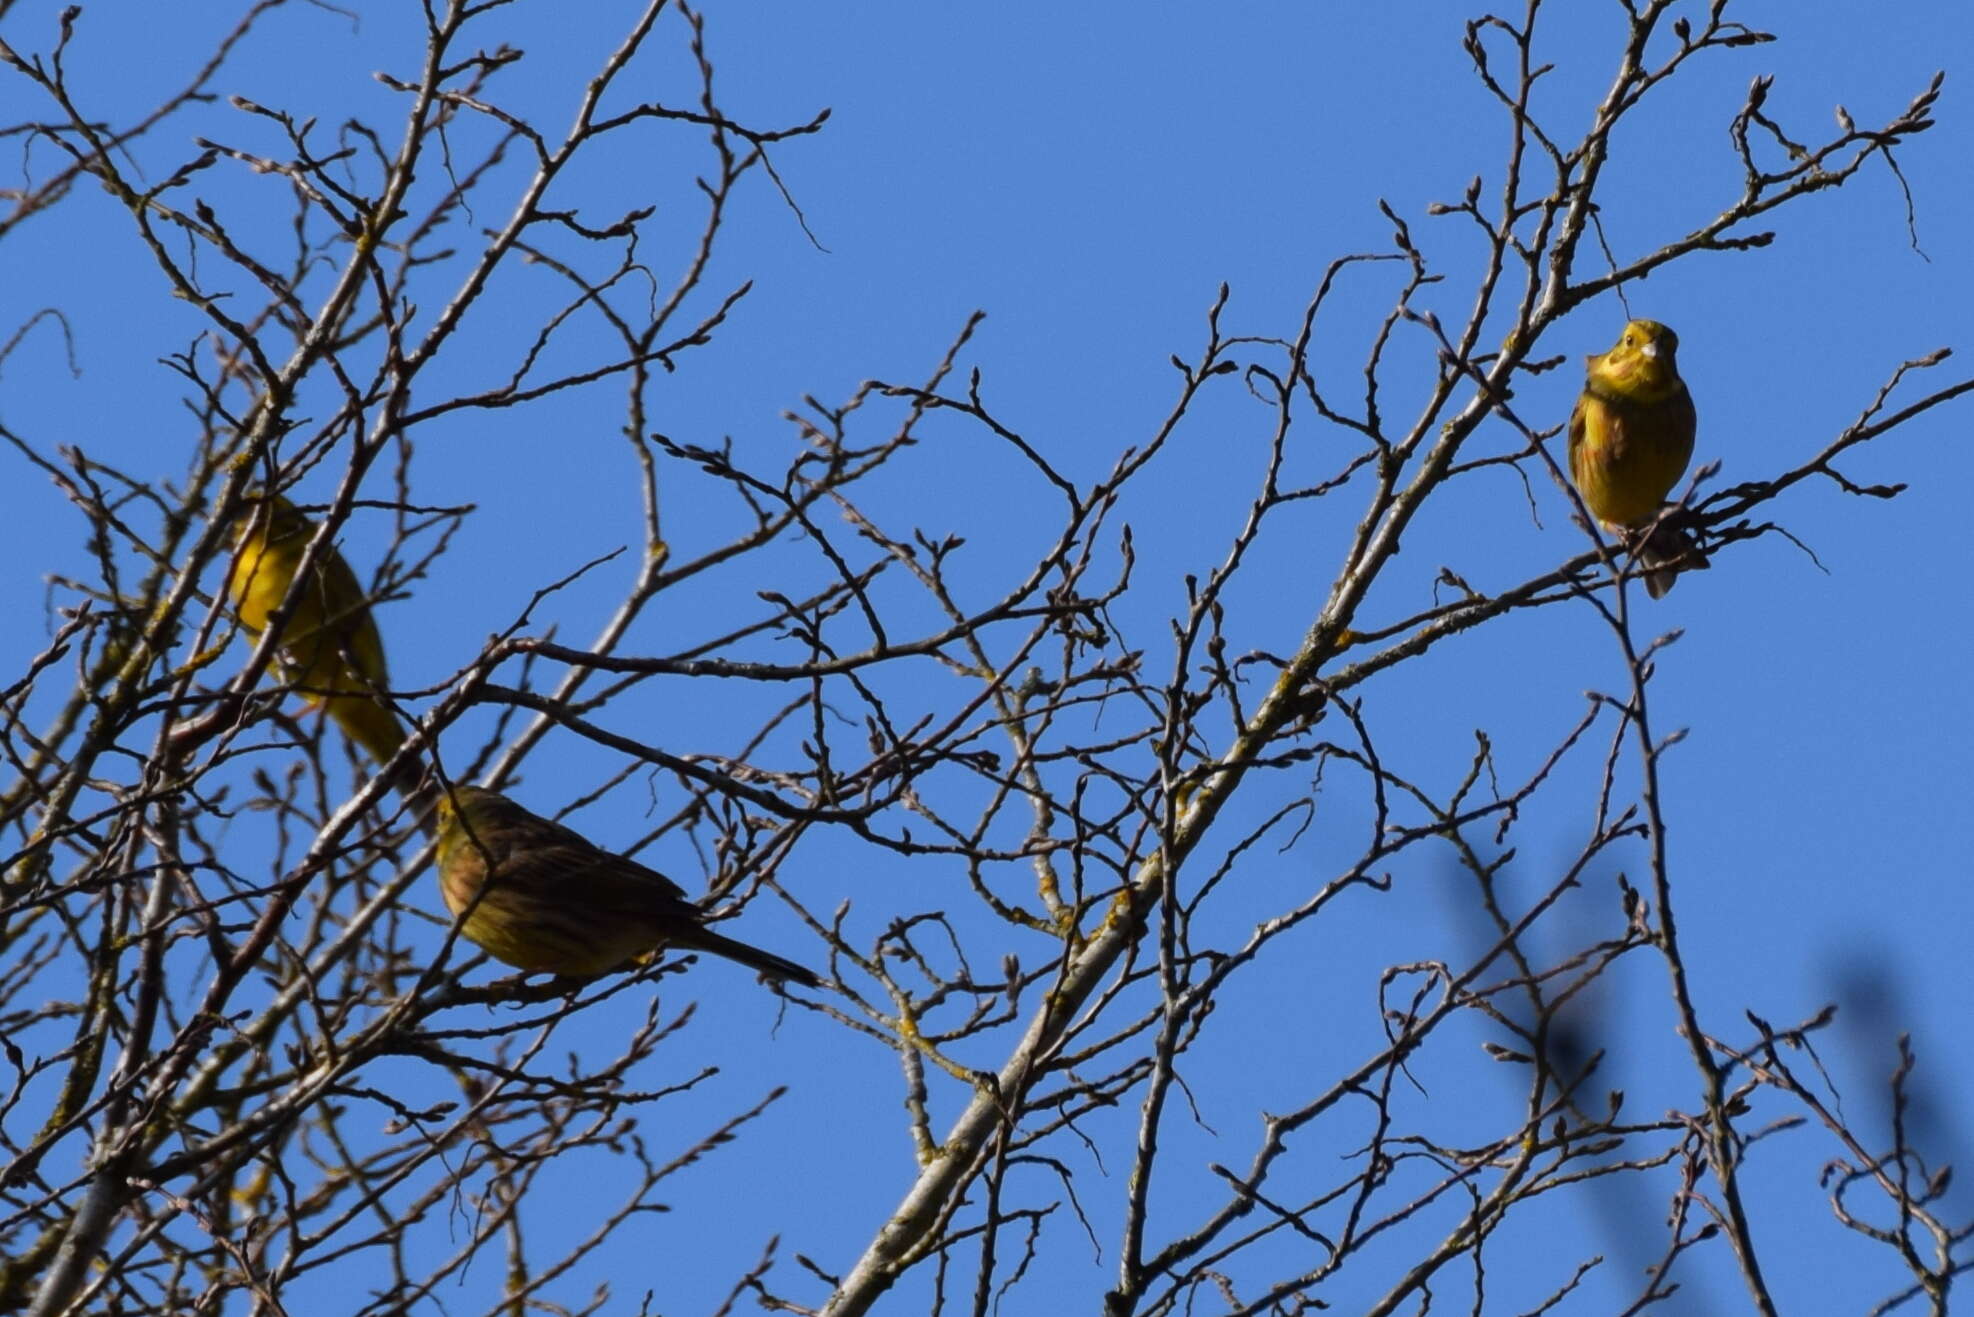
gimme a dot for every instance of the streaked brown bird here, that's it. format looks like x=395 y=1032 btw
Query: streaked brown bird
x=1631 y=437
x=549 y=901
x=330 y=650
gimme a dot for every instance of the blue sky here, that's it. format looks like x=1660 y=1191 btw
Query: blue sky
x=1089 y=175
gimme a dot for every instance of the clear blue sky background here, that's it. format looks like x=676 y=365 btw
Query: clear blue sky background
x=1089 y=175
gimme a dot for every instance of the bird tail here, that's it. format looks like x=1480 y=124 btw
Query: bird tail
x=1663 y=551
x=705 y=939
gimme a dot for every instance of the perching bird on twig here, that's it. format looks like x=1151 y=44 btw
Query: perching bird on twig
x=543 y=898
x=329 y=647
x=1631 y=437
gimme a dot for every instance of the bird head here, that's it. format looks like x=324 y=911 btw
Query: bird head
x=1643 y=367
x=457 y=800
x=484 y=811
x=271 y=518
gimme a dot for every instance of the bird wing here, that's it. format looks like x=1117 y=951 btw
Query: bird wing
x=1684 y=421
x=1594 y=442
x=627 y=885
x=568 y=866
x=1576 y=439
x=347 y=622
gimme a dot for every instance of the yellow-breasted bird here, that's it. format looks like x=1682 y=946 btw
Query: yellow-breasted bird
x=1631 y=437
x=330 y=649
x=550 y=901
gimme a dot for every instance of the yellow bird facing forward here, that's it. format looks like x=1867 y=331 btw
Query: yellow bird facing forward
x=1631 y=437
x=545 y=899
x=330 y=650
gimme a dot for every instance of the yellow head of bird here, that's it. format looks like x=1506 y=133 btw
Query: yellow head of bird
x=1643 y=367
x=270 y=517
x=482 y=810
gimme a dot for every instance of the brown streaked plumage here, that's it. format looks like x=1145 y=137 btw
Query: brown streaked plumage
x=555 y=903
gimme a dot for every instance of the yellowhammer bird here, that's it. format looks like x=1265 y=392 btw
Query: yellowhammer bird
x=330 y=649
x=557 y=904
x=1631 y=436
